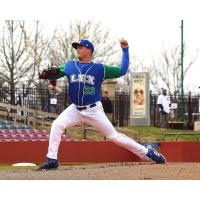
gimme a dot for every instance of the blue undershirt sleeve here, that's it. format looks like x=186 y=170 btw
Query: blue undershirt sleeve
x=124 y=61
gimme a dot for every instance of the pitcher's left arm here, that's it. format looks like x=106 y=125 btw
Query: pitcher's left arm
x=116 y=72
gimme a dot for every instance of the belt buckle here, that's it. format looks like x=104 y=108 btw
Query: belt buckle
x=80 y=108
x=88 y=106
x=93 y=105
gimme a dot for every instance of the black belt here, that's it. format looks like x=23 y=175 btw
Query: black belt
x=85 y=107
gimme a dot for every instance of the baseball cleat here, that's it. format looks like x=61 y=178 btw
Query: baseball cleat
x=49 y=164
x=155 y=156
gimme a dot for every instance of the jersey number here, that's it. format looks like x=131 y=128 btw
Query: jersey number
x=89 y=90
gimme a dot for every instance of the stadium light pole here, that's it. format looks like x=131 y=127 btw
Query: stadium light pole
x=182 y=91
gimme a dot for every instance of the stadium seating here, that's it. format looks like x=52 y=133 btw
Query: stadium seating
x=27 y=135
x=9 y=132
x=8 y=125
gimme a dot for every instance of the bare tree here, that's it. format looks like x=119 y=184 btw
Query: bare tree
x=13 y=58
x=39 y=45
x=123 y=83
x=23 y=50
x=105 y=47
x=166 y=71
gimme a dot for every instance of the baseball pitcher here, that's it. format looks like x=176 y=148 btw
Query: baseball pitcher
x=85 y=78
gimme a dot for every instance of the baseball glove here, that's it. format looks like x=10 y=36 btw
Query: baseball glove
x=52 y=82
x=49 y=73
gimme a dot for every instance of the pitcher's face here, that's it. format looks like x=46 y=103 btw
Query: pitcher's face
x=83 y=52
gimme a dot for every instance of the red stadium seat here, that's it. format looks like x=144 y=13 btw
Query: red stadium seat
x=1 y=136
x=26 y=135
x=6 y=131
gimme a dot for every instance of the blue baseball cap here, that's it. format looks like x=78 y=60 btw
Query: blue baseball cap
x=85 y=43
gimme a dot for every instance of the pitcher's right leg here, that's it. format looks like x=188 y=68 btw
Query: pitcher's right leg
x=69 y=117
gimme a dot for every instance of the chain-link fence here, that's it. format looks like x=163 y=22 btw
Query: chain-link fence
x=190 y=110
x=50 y=101
x=55 y=102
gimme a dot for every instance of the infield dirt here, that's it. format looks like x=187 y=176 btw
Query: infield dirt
x=110 y=171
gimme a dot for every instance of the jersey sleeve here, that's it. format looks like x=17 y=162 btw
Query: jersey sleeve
x=61 y=71
x=111 y=72
x=116 y=72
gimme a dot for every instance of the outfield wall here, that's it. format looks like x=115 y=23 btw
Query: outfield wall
x=93 y=152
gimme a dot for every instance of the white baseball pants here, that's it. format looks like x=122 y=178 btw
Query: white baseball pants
x=95 y=117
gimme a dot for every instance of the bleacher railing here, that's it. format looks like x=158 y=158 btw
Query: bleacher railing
x=36 y=118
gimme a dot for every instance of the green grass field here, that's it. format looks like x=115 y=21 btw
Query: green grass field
x=145 y=134
x=156 y=134
x=10 y=167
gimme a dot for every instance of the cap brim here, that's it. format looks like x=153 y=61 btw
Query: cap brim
x=75 y=45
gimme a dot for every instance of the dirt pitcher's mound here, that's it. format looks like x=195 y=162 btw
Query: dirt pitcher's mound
x=109 y=171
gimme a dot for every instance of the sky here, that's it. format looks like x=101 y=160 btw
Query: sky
x=148 y=25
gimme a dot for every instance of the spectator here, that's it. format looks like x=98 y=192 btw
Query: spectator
x=107 y=105
x=54 y=90
x=163 y=103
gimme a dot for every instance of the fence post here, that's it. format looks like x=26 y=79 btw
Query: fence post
x=35 y=119
x=189 y=112
x=121 y=111
x=83 y=131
